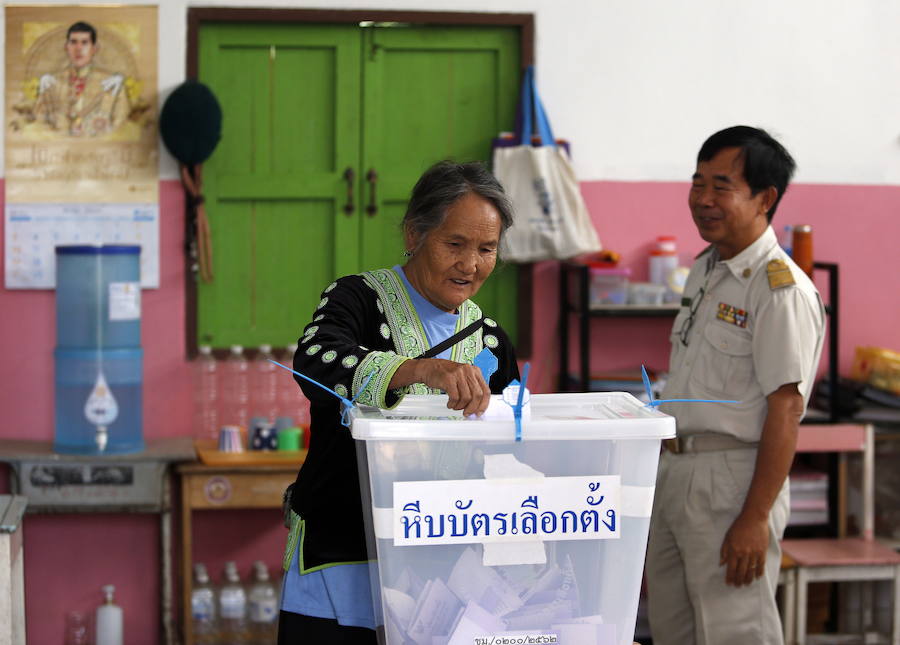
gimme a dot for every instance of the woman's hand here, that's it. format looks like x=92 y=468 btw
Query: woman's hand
x=463 y=383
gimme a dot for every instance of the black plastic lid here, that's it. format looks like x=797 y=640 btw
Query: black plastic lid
x=106 y=249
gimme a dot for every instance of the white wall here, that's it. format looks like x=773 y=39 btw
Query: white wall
x=636 y=86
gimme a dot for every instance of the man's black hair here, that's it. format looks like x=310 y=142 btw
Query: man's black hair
x=766 y=162
x=81 y=28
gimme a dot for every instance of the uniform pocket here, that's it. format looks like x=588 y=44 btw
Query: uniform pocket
x=725 y=364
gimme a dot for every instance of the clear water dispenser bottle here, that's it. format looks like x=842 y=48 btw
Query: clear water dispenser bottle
x=99 y=361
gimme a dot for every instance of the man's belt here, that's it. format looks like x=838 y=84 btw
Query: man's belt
x=706 y=443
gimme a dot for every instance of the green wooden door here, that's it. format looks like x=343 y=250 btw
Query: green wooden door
x=433 y=93
x=290 y=99
x=301 y=104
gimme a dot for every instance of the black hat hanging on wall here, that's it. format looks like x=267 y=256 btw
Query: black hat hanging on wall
x=191 y=125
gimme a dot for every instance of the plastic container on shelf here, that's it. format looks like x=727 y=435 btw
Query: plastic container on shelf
x=262 y=603
x=802 y=247
x=646 y=293
x=109 y=620
x=543 y=537
x=264 y=381
x=291 y=400
x=232 y=608
x=98 y=401
x=609 y=286
x=235 y=407
x=98 y=297
x=204 y=622
x=206 y=394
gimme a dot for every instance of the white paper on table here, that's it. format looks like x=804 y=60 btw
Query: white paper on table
x=401 y=605
x=474 y=623
x=506 y=466
x=545 y=587
x=392 y=630
x=539 y=616
x=499 y=410
x=435 y=613
x=472 y=582
x=410 y=583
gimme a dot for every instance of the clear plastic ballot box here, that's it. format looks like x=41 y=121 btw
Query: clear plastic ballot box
x=482 y=539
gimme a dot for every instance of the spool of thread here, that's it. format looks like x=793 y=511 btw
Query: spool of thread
x=230 y=439
x=283 y=423
x=262 y=436
x=290 y=439
x=802 y=248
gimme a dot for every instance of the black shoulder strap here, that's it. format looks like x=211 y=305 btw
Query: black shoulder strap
x=462 y=334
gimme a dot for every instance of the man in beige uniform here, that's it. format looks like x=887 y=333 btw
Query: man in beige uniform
x=750 y=329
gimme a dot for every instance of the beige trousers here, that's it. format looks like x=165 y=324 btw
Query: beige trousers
x=698 y=496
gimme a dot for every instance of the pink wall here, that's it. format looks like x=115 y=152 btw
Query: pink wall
x=69 y=556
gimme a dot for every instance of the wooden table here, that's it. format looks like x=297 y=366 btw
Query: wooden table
x=233 y=487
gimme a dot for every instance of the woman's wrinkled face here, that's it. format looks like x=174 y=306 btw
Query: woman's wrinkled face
x=453 y=261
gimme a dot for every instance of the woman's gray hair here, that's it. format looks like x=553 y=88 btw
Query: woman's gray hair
x=442 y=185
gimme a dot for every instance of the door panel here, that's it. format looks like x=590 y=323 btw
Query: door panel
x=432 y=93
x=302 y=103
x=275 y=191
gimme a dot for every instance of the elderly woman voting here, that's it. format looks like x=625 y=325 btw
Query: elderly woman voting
x=377 y=336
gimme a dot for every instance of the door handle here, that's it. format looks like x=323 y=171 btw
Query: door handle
x=349 y=177
x=372 y=178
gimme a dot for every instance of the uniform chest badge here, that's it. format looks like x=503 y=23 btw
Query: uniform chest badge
x=732 y=315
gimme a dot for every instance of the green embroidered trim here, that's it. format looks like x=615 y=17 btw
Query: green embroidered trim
x=295 y=539
x=383 y=365
x=292 y=540
x=408 y=333
x=466 y=350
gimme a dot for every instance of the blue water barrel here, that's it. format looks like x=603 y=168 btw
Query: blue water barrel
x=84 y=382
x=98 y=297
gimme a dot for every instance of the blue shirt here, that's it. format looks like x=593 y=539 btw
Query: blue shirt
x=342 y=592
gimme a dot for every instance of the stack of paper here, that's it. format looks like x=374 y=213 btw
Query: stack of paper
x=477 y=602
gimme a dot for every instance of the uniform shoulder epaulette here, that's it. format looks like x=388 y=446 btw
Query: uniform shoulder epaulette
x=779 y=274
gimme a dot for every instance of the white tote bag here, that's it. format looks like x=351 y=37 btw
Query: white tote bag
x=551 y=221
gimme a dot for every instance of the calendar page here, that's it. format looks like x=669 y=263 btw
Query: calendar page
x=34 y=230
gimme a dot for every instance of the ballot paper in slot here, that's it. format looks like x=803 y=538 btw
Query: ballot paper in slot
x=500 y=564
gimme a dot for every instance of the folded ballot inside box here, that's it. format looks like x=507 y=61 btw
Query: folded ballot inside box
x=481 y=537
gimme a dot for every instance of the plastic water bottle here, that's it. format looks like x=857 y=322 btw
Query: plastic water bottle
x=236 y=388
x=109 y=620
x=263 y=607
x=203 y=608
x=206 y=394
x=292 y=403
x=786 y=239
x=264 y=384
x=233 y=608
